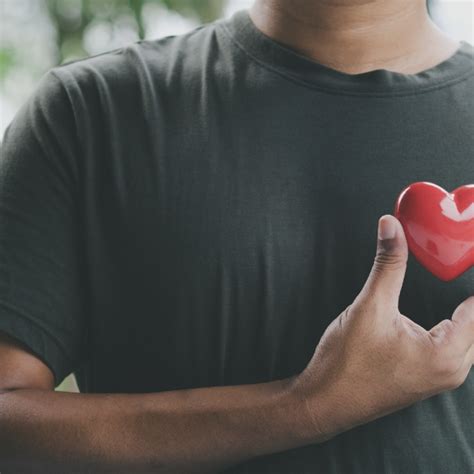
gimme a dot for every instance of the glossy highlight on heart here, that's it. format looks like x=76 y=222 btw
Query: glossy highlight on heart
x=439 y=227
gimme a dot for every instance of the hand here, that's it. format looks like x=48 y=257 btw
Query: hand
x=372 y=360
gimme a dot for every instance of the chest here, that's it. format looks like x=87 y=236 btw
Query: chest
x=286 y=207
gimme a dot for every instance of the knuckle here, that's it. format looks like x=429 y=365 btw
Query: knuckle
x=342 y=320
x=442 y=333
x=390 y=261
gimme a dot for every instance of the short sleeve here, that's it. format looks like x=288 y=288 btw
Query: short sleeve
x=41 y=276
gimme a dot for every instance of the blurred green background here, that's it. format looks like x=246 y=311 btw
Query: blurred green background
x=36 y=35
x=71 y=20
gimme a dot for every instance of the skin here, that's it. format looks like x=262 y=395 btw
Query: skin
x=357 y=36
x=371 y=360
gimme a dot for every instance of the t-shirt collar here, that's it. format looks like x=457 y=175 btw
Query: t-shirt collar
x=287 y=61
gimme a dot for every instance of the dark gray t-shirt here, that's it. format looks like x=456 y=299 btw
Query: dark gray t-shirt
x=195 y=210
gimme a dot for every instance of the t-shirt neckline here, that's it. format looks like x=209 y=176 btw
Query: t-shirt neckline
x=294 y=65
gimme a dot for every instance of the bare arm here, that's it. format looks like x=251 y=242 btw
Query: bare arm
x=371 y=361
x=196 y=430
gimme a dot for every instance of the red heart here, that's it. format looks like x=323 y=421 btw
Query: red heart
x=439 y=227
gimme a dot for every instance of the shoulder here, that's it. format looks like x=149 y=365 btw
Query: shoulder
x=140 y=68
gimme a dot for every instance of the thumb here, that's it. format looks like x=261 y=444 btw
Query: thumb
x=388 y=271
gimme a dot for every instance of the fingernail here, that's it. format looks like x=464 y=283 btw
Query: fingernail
x=387 y=228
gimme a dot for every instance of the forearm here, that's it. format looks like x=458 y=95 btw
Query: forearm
x=196 y=430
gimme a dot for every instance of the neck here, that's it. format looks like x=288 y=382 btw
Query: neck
x=357 y=36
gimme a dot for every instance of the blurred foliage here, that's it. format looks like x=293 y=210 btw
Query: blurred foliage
x=72 y=17
x=7 y=61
